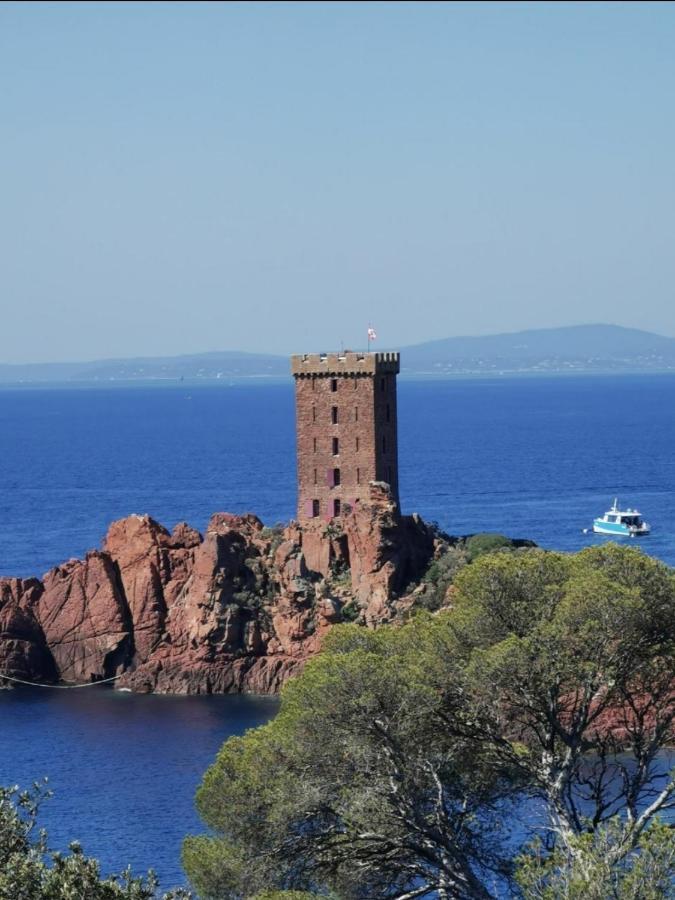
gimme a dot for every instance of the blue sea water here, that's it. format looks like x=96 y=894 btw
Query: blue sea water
x=530 y=457
x=123 y=767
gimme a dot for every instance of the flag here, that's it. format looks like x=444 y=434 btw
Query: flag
x=371 y=334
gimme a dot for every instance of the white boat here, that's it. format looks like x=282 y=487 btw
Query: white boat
x=626 y=522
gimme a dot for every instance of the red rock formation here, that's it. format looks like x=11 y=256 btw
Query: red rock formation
x=219 y=625
x=240 y=610
x=153 y=566
x=387 y=553
x=84 y=618
x=23 y=650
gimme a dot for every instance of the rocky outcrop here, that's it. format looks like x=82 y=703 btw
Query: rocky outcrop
x=152 y=567
x=387 y=553
x=240 y=609
x=84 y=618
x=213 y=624
x=246 y=618
x=23 y=649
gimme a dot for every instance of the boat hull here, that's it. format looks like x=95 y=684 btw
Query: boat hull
x=617 y=529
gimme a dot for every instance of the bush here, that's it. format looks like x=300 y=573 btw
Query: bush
x=350 y=612
x=440 y=575
x=486 y=542
x=30 y=871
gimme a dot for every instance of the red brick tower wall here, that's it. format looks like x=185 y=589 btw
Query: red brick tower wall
x=346 y=429
x=386 y=431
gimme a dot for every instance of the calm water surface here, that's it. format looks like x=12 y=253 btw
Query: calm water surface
x=123 y=767
x=536 y=458
x=532 y=457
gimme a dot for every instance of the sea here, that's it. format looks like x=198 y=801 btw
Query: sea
x=530 y=457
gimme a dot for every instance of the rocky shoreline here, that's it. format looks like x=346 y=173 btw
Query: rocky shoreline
x=238 y=609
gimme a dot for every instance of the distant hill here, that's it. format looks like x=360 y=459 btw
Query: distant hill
x=227 y=364
x=579 y=348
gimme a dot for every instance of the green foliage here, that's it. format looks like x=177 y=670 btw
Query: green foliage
x=348 y=786
x=572 y=660
x=485 y=542
x=29 y=871
x=203 y=856
x=443 y=570
x=285 y=895
x=340 y=573
x=440 y=575
x=248 y=599
x=597 y=869
x=398 y=756
x=350 y=612
x=275 y=535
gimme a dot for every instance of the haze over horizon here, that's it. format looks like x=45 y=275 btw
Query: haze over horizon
x=185 y=178
x=605 y=328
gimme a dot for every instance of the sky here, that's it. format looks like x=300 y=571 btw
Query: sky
x=178 y=178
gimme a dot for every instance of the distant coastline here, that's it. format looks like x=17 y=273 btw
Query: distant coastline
x=255 y=381
x=574 y=350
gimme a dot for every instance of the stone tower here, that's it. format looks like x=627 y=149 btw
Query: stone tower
x=346 y=429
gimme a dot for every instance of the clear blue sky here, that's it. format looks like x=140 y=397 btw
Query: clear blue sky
x=178 y=178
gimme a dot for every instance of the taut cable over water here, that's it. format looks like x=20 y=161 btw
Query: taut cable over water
x=59 y=687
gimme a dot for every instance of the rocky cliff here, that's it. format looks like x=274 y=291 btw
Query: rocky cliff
x=237 y=609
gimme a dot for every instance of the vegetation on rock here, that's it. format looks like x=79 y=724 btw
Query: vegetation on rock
x=451 y=557
x=486 y=542
x=402 y=758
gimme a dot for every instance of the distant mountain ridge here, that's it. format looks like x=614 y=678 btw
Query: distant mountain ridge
x=582 y=348
x=576 y=348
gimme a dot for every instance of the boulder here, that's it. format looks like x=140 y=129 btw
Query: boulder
x=84 y=618
x=153 y=567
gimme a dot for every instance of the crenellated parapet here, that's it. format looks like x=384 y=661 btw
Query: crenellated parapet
x=347 y=363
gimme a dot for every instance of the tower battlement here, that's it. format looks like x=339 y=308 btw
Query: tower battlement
x=346 y=428
x=348 y=363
